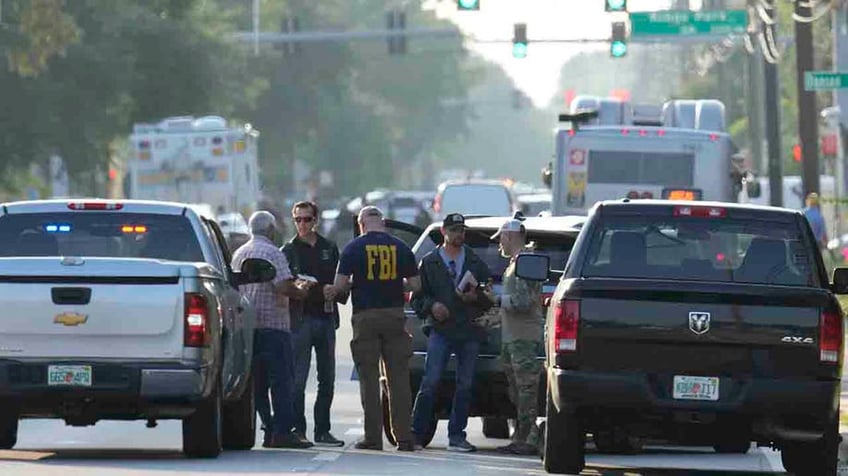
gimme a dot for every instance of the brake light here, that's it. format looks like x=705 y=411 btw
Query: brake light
x=407 y=297
x=95 y=206
x=643 y=133
x=571 y=132
x=700 y=212
x=625 y=132
x=661 y=132
x=566 y=325
x=196 y=329
x=713 y=137
x=830 y=336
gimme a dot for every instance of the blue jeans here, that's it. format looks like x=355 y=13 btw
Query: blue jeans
x=273 y=370
x=320 y=333
x=439 y=350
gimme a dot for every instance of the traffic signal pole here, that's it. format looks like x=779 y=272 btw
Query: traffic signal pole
x=808 y=130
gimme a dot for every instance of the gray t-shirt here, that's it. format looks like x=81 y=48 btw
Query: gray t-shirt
x=521 y=308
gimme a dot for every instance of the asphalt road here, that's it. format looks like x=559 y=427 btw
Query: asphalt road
x=128 y=448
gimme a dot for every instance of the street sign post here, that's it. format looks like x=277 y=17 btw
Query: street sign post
x=688 y=23
x=825 y=80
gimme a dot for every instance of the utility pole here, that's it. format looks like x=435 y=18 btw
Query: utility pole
x=775 y=155
x=754 y=104
x=808 y=118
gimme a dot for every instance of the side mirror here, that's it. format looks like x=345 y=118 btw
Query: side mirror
x=753 y=186
x=533 y=267
x=840 y=281
x=255 y=270
x=547 y=175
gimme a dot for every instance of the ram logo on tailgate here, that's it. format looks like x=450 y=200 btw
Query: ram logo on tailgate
x=699 y=322
x=70 y=318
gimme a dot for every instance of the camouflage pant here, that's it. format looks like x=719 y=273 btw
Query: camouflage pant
x=522 y=371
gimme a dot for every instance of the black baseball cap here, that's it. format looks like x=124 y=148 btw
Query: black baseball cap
x=453 y=220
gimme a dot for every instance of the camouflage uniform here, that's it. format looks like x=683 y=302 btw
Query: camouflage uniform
x=522 y=326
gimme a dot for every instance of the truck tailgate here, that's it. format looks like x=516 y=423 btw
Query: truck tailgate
x=91 y=308
x=692 y=328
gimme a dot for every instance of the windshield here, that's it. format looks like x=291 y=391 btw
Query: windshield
x=645 y=168
x=100 y=234
x=701 y=249
x=474 y=199
x=556 y=246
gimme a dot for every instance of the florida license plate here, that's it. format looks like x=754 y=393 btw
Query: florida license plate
x=71 y=375
x=695 y=388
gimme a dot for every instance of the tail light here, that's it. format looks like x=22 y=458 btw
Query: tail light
x=95 y=206
x=196 y=321
x=566 y=325
x=700 y=212
x=407 y=297
x=830 y=336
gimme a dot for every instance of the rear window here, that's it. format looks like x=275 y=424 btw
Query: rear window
x=702 y=249
x=99 y=234
x=645 y=168
x=557 y=247
x=476 y=199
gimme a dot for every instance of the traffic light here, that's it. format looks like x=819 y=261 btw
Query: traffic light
x=464 y=5
x=396 y=20
x=618 y=45
x=519 y=40
x=796 y=153
x=615 y=5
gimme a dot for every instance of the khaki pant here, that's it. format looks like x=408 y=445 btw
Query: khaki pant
x=380 y=334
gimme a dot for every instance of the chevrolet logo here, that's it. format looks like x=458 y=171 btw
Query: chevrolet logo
x=70 y=318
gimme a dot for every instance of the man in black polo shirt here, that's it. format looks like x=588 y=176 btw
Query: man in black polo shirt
x=382 y=268
x=314 y=321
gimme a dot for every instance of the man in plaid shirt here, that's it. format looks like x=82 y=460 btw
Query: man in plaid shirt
x=273 y=366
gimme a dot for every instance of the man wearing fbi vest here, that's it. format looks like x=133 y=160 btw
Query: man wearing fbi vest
x=379 y=268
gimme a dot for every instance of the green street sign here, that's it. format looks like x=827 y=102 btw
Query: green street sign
x=824 y=80
x=688 y=23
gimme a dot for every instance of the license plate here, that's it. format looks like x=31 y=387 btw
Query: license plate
x=71 y=375
x=695 y=388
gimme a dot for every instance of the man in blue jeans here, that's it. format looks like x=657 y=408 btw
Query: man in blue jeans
x=272 y=349
x=449 y=311
x=314 y=321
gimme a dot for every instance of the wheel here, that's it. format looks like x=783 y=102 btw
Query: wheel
x=733 y=447
x=387 y=416
x=617 y=442
x=819 y=458
x=203 y=430
x=496 y=427
x=564 y=441
x=239 y=425
x=8 y=429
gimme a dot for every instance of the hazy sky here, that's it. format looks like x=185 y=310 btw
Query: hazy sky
x=537 y=74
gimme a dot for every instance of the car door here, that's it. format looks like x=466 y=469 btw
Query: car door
x=239 y=322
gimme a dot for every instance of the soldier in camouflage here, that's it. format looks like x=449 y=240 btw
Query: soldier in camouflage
x=522 y=324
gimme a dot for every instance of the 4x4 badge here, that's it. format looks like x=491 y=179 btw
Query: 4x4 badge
x=699 y=322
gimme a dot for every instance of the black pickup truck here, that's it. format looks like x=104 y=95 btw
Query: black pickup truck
x=698 y=322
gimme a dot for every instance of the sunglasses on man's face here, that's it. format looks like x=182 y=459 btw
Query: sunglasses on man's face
x=304 y=219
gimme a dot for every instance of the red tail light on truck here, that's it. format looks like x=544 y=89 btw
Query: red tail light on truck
x=566 y=325
x=830 y=336
x=196 y=320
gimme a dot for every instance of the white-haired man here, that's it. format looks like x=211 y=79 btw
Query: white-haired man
x=273 y=366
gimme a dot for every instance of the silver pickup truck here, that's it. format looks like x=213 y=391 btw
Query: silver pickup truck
x=122 y=311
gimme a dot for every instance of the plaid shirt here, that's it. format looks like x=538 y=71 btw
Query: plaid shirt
x=272 y=308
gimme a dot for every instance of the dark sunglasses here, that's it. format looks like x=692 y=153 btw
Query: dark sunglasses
x=304 y=219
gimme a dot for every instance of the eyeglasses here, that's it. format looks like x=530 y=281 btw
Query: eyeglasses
x=304 y=219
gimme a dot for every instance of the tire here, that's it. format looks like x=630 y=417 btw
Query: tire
x=239 y=425
x=8 y=429
x=814 y=459
x=203 y=430
x=617 y=442
x=496 y=427
x=733 y=447
x=564 y=442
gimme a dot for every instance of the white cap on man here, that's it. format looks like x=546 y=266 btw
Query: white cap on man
x=510 y=225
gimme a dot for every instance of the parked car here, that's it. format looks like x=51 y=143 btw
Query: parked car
x=474 y=197
x=535 y=204
x=552 y=237
x=700 y=322
x=125 y=310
